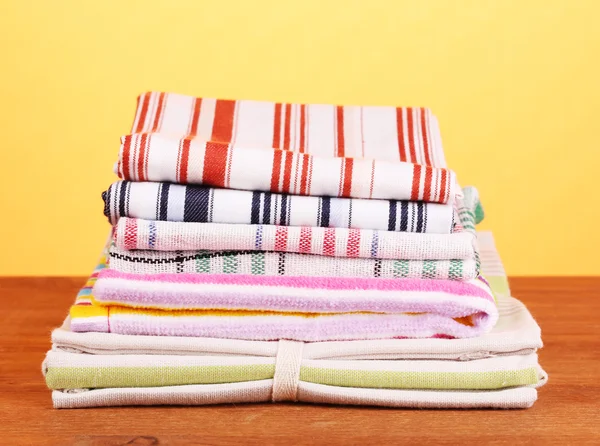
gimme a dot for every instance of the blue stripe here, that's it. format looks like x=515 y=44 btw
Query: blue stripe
x=258 y=239
x=152 y=238
x=375 y=244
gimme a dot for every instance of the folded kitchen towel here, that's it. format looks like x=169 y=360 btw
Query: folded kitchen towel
x=287 y=312
x=201 y=204
x=262 y=391
x=187 y=160
x=71 y=371
x=293 y=294
x=287 y=264
x=373 y=132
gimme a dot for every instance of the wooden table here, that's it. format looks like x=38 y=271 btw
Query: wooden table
x=567 y=412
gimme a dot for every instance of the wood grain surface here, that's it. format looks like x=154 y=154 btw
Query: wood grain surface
x=567 y=411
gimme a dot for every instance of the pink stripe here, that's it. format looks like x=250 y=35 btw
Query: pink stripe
x=281 y=238
x=329 y=242
x=130 y=234
x=131 y=293
x=305 y=239
x=353 y=248
x=452 y=287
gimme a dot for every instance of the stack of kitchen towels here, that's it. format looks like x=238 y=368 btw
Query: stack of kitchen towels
x=288 y=252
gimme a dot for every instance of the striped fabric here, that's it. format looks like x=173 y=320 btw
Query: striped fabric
x=188 y=160
x=469 y=313
x=326 y=368
x=133 y=233
x=287 y=264
x=294 y=294
x=242 y=250
x=72 y=371
x=298 y=308
x=382 y=133
x=200 y=204
x=515 y=333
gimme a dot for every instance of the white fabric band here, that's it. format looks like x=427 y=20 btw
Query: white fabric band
x=287 y=371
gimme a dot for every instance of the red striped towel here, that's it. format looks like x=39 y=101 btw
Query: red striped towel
x=319 y=150
x=159 y=157
x=372 y=132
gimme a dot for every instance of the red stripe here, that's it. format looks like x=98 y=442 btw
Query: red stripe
x=353 y=248
x=302 y=127
x=126 y=157
x=277 y=126
x=196 y=117
x=143 y=113
x=347 y=190
x=411 y=135
x=130 y=234
x=304 y=178
x=340 y=131
x=287 y=171
x=310 y=176
x=443 y=186
x=286 y=131
x=399 y=122
x=223 y=122
x=427 y=185
x=305 y=239
x=281 y=239
x=159 y=108
x=329 y=242
x=416 y=182
x=141 y=156
x=425 y=140
x=215 y=164
x=276 y=171
x=184 y=160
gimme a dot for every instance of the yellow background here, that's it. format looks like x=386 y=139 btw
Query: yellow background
x=514 y=84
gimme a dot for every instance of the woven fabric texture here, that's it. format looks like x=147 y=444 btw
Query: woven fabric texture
x=187 y=160
x=383 y=133
x=200 y=204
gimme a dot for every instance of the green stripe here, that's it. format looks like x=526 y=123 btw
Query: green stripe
x=102 y=377
x=202 y=263
x=258 y=263
x=429 y=267
x=105 y=377
x=230 y=264
x=455 y=272
x=419 y=380
x=401 y=268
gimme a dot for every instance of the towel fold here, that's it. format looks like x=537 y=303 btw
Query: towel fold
x=299 y=308
x=339 y=242
x=73 y=371
x=374 y=132
x=201 y=204
x=357 y=309
x=187 y=160
x=286 y=264
x=293 y=294
x=262 y=391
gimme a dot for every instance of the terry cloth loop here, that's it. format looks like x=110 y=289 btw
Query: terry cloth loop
x=287 y=370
